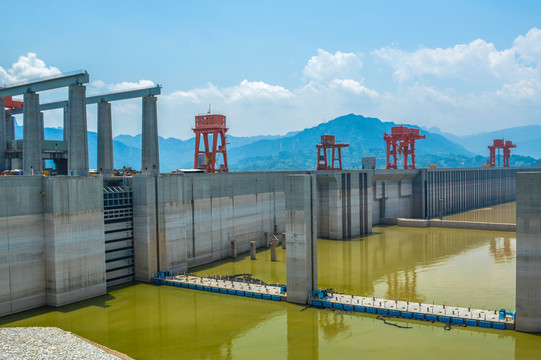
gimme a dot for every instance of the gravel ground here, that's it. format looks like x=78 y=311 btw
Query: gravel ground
x=46 y=343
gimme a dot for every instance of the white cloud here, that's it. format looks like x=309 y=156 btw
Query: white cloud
x=529 y=47
x=354 y=86
x=26 y=68
x=465 y=88
x=100 y=87
x=327 y=66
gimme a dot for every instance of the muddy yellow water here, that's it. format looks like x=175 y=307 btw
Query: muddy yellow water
x=502 y=213
x=450 y=266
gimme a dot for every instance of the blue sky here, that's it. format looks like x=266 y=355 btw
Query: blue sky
x=279 y=66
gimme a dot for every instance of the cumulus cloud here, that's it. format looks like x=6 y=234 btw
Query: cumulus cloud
x=26 y=68
x=528 y=47
x=100 y=86
x=464 y=88
x=327 y=66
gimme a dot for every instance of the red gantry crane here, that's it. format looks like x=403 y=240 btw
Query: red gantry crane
x=208 y=159
x=500 y=144
x=327 y=142
x=401 y=141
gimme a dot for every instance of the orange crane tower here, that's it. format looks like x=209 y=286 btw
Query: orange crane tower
x=327 y=142
x=207 y=159
x=401 y=141
x=500 y=144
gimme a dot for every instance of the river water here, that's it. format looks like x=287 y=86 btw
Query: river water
x=447 y=266
x=502 y=213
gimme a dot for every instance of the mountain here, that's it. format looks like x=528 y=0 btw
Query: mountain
x=364 y=134
x=297 y=151
x=527 y=139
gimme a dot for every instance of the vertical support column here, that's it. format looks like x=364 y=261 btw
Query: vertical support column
x=31 y=135
x=145 y=227
x=301 y=230
x=77 y=132
x=528 y=273
x=65 y=129
x=151 y=154
x=41 y=126
x=10 y=128
x=105 y=139
x=3 y=136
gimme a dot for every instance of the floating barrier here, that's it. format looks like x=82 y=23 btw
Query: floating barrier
x=221 y=286
x=449 y=315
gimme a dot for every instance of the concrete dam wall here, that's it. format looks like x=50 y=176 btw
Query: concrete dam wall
x=65 y=239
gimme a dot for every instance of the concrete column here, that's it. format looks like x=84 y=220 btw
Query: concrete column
x=10 y=128
x=74 y=239
x=151 y=154
x=105 y=139
x=145 y=227
x=31 y=135
x=77 y=136
x=267 y=239
x=3 y=136
x=252 y=250
x=283 y=240
x=273 y=245
x=41 y=126
x=528 y=273
x=233 y=248
x=65 y=129
x=301 y=229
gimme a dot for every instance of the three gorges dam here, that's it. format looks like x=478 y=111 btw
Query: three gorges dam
x=69 y=238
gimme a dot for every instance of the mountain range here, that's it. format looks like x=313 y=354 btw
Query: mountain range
x=296 y=150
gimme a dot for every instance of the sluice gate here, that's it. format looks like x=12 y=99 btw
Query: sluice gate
x=453 y=315
x=118 y=226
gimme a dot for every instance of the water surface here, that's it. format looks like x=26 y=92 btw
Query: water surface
x=502 y=213
x=452 y=266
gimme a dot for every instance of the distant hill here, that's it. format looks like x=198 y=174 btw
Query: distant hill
x=296 y=150
x=364 y=134
x=527 y=139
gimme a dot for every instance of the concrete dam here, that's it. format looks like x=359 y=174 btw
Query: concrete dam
x=79 y=235
x=68 y=238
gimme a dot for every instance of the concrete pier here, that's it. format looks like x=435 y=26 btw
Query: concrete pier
x=66 y=123
x=145 y=227
x=74 y=239
x=105 y=139
x=32 y=162
x=343 y=204
x=151 y=154
x=10 y=128
x=77 y=132
x=283 y=240
x=233 y=248
x=3 y=136
x=528 y=273
x=252 y=250
x=273 y=245
x=267 y=239
x=41 y=126
x=301 y=230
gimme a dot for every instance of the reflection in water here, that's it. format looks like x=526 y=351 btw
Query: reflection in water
x=403 y=284
x=502 y=213
x=445 y=265
x=503 y=249
x=302 y=334
x=333 y=325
